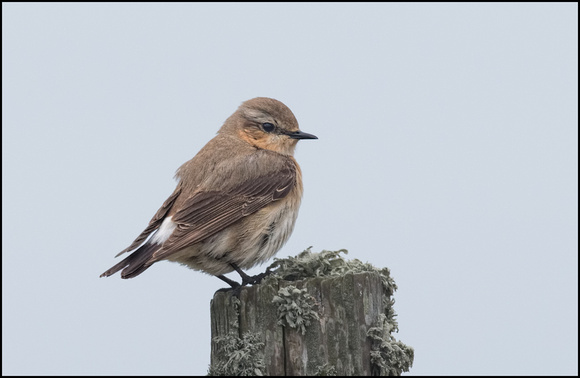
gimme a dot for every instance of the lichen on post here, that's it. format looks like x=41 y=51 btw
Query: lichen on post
x=316 y=314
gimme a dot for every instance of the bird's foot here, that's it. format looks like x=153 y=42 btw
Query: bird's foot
x=254 y=280
x=250 y=280
x=246 y=280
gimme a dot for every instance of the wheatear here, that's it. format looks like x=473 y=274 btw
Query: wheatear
x=236 y=201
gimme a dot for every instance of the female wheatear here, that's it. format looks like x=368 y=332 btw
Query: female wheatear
x=236 y=201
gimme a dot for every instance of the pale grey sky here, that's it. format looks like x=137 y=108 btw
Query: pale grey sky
x=447 y=152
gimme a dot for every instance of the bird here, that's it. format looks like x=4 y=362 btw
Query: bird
x=235 y=203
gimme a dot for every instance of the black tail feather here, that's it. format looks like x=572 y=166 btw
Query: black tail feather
x=135 y=263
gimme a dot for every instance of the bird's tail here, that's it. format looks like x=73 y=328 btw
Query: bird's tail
x=134 y=264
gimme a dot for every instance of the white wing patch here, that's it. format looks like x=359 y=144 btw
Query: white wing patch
x=164 y=231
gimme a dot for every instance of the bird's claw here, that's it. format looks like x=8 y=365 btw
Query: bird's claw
x=254 y=280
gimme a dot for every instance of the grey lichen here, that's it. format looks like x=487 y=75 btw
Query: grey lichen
x=389 y=356
x=295 y=307
x=309 y=264
x=240 y=356
x=325 y=370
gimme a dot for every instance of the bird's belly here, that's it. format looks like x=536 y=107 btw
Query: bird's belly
x=246 y=243
x=265 y=235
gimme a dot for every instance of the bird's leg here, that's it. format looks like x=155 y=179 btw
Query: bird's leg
x=245 y=278
x=253 y=280
x=236 y=288
x=232 y=283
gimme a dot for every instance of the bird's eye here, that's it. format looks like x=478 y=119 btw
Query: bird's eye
x=268 y=127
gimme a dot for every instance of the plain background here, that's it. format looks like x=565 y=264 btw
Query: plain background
x=447 y=152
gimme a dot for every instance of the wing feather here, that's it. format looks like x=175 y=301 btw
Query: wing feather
x=155 y=222
x=208 y=212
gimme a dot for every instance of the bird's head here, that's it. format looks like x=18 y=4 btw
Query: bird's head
x=266 y=123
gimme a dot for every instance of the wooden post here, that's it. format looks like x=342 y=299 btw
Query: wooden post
x=316 y=315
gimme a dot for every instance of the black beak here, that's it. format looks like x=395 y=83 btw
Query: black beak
x=301 y=135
